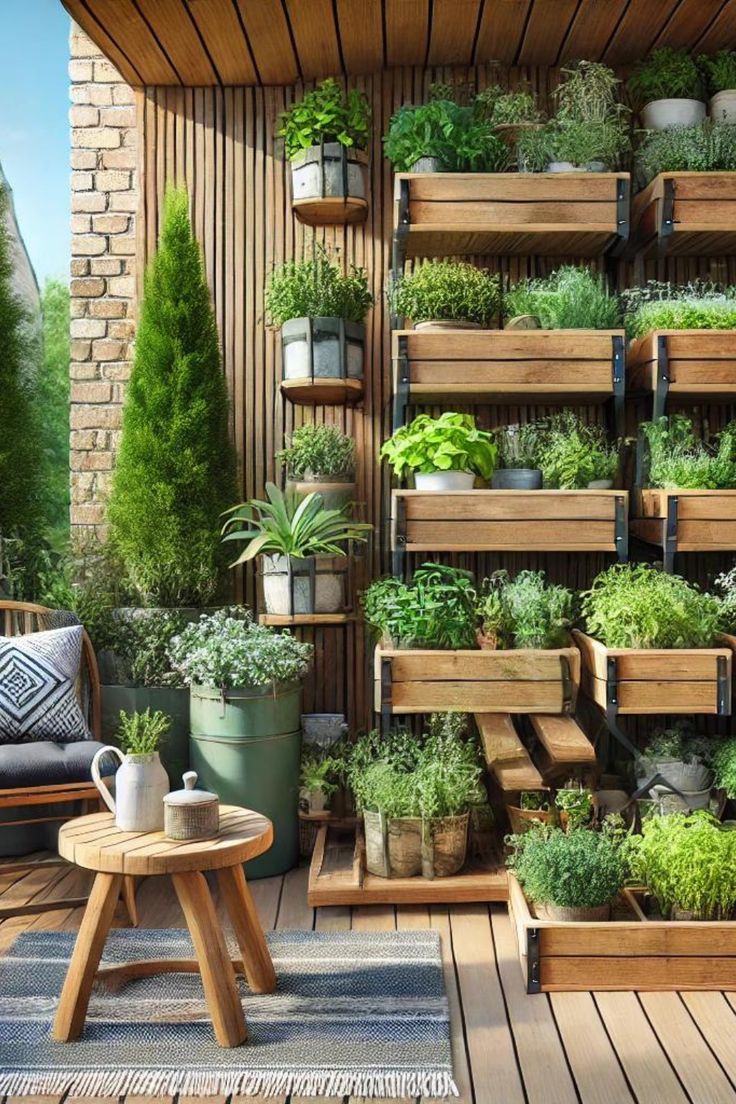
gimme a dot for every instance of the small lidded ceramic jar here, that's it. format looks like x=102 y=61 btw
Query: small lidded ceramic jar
x=191 y=814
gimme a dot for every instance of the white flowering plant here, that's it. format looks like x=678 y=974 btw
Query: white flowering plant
x=227 y=649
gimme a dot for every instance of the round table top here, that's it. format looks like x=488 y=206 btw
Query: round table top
x=94 y=843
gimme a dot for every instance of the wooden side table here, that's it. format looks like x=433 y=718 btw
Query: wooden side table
x=93 y=842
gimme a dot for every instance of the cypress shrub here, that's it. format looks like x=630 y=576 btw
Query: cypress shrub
x=175 y=471
x=21 y=457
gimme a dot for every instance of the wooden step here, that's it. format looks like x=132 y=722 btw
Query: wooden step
x=562 y=738
x=505 y=753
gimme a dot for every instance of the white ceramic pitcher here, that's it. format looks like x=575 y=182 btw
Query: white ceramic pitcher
x=141 y=783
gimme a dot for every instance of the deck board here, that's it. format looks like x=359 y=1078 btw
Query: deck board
x=602 y=1048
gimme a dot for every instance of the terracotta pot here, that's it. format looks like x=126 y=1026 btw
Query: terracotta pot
x=522 y=819
x=488 y=643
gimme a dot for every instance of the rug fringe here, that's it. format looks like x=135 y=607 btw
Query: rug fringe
x=210 y=1083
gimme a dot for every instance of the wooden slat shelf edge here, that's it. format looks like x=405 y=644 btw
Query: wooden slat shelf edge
x=325 y=391
x=351 y=886
x=306 y=619
x=669 y=215
x=562 y=739
x=505 y=754
x=330 y=210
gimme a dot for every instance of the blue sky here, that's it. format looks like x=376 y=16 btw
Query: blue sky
x=34 y=135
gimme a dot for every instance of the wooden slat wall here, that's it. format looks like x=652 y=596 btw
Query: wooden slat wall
x=220 y=142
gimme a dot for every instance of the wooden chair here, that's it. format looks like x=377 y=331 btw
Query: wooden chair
x=21 y=618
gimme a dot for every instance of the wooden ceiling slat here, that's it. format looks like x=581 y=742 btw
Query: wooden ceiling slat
x=592 y=27
x=220 y=28
x=270 y=41
x=360 y=26
x=688 y=23
x=546 y=29
x=124 y=23
x=315 y=35
x=452 y=34
x=722 y=33
x=407 y=24
x=638 y=30
x=99 y=35
x=501 y=28
x=179 y=38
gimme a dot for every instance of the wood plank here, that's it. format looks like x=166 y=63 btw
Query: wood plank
x=715 y=1019
x=100 y=35
x=177 y=34
x=505 y=754
x=528 y=664
x=593 y=1061
x=563 y=739
x=637 y=30
x=647 y=1069
x=452 y=32
x=360 y=27
x=490 y=344
x=594 y=189
x=227 y=45
x=492 y=536
x=497 y=506
x=687 y=23
x=590 y=30
x=440 y=921
x=500 y=31
x=548 y=23
x=315 y=35
x=652 y=663
x=268 y=34
x=636 y=974
x=134 y=38
x=700 y=1073
x=406 y=24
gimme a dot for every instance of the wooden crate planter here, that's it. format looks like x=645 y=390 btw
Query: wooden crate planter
x=523 y=681
x=686 y=213
x=506 y=366
x=699 y=365
x=337 y=876
x=629 y=954
x=508 y=521
x=685 y=521
x=448 y=214
x=656 y=680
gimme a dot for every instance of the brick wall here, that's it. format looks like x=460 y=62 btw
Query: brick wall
x=104 y=199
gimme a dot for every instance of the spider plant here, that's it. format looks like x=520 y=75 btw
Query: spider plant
x=288 y=524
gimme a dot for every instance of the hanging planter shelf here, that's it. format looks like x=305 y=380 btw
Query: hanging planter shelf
x=696 y=365
x=685 y=520
x=686 y=214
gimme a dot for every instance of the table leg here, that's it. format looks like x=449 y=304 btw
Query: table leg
x=238 y=902
x=218 y=976
x=129 y=899
x=72 y=1010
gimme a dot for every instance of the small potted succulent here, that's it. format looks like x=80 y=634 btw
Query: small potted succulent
x=321 y=312
x=326 y=134
x=443 y=454
x=302 y=547
x=517 y=452
x=447 y=295
x=568 y=876
x=720 y=75
x=443 y=136
x=667 y=88
x=321 y=458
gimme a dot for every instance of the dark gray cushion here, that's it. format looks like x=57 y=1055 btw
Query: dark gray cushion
x=47 y=764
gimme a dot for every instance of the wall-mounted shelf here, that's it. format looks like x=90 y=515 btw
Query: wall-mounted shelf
x=695 y=365
x=506 y=367
x=686 y=214
x=482 y=681
x=548 y=214
x=322 y=391
x=331 y=210
x=508 y=521
x=685 y=521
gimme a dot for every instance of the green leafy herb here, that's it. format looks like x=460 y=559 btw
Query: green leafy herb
x=451 y=442
x=707 y=147
x=435 y=610
x=575 y=869
x=573 y=453
x=678 y=460
x=142 y=733
x=447 y=290
x=525 y=612
x=447 y=131
x=665 y=74
x=570 y=298
x=317 y=288
x=322 y=450
x=328 y=114
x=719 y=70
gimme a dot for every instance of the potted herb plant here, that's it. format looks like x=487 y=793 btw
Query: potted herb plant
x=447 y=295
x=443 y=454
x=660 y=305
x=524 y=612
x=317 y=784
x=704 y=147
x=435 y=610
x=574 y=804
x=720 y=75
x=518 y=470
x=575 y=455
x=724 y=766
x=570 y=298
x=141 y=782
x=533 y=807
x=688 y=861
x=508 y=113
x=676 y=459
x=442 y=136
x=321 y=312
x=321 y=458
x=568 y=876
x=682 y=759
x=667 y=89
x=325 y=135
x=245 y=685
x=302 y=548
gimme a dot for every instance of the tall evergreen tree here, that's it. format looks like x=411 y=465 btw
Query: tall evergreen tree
x=175 y=471
x=21 y=459
x=53 y=399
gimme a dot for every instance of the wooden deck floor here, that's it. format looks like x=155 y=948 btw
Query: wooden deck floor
x=570 y=1048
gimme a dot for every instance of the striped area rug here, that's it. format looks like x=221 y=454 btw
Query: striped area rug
x=359 y=1014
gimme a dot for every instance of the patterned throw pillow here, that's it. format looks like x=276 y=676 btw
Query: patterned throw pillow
x=38 y=699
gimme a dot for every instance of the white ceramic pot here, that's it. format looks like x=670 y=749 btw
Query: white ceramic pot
x=312 y=801
x=561 y=167
x=660 y=114
x=600 y=485
x=141 y=783
x=722 y=106
x=444 y=481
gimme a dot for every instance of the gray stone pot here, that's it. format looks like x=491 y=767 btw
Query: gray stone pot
x=322 y=348
x=290 y=588
x=426 y=165
x=517 y=479
x=329 y=171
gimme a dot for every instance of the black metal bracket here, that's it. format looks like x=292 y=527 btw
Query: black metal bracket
x=723 y=697
x=567 y=684
x=618 y=380
x=622 y=211
x=662 y=385
x=401 y=383
x=401 y=230
x=670 y=533
x=386 y=694
x=398 y=532
x=621 y=529
x=533 y=980
x=667 y=221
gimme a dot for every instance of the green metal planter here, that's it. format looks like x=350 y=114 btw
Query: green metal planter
x=245 y=746
x=171 y=700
